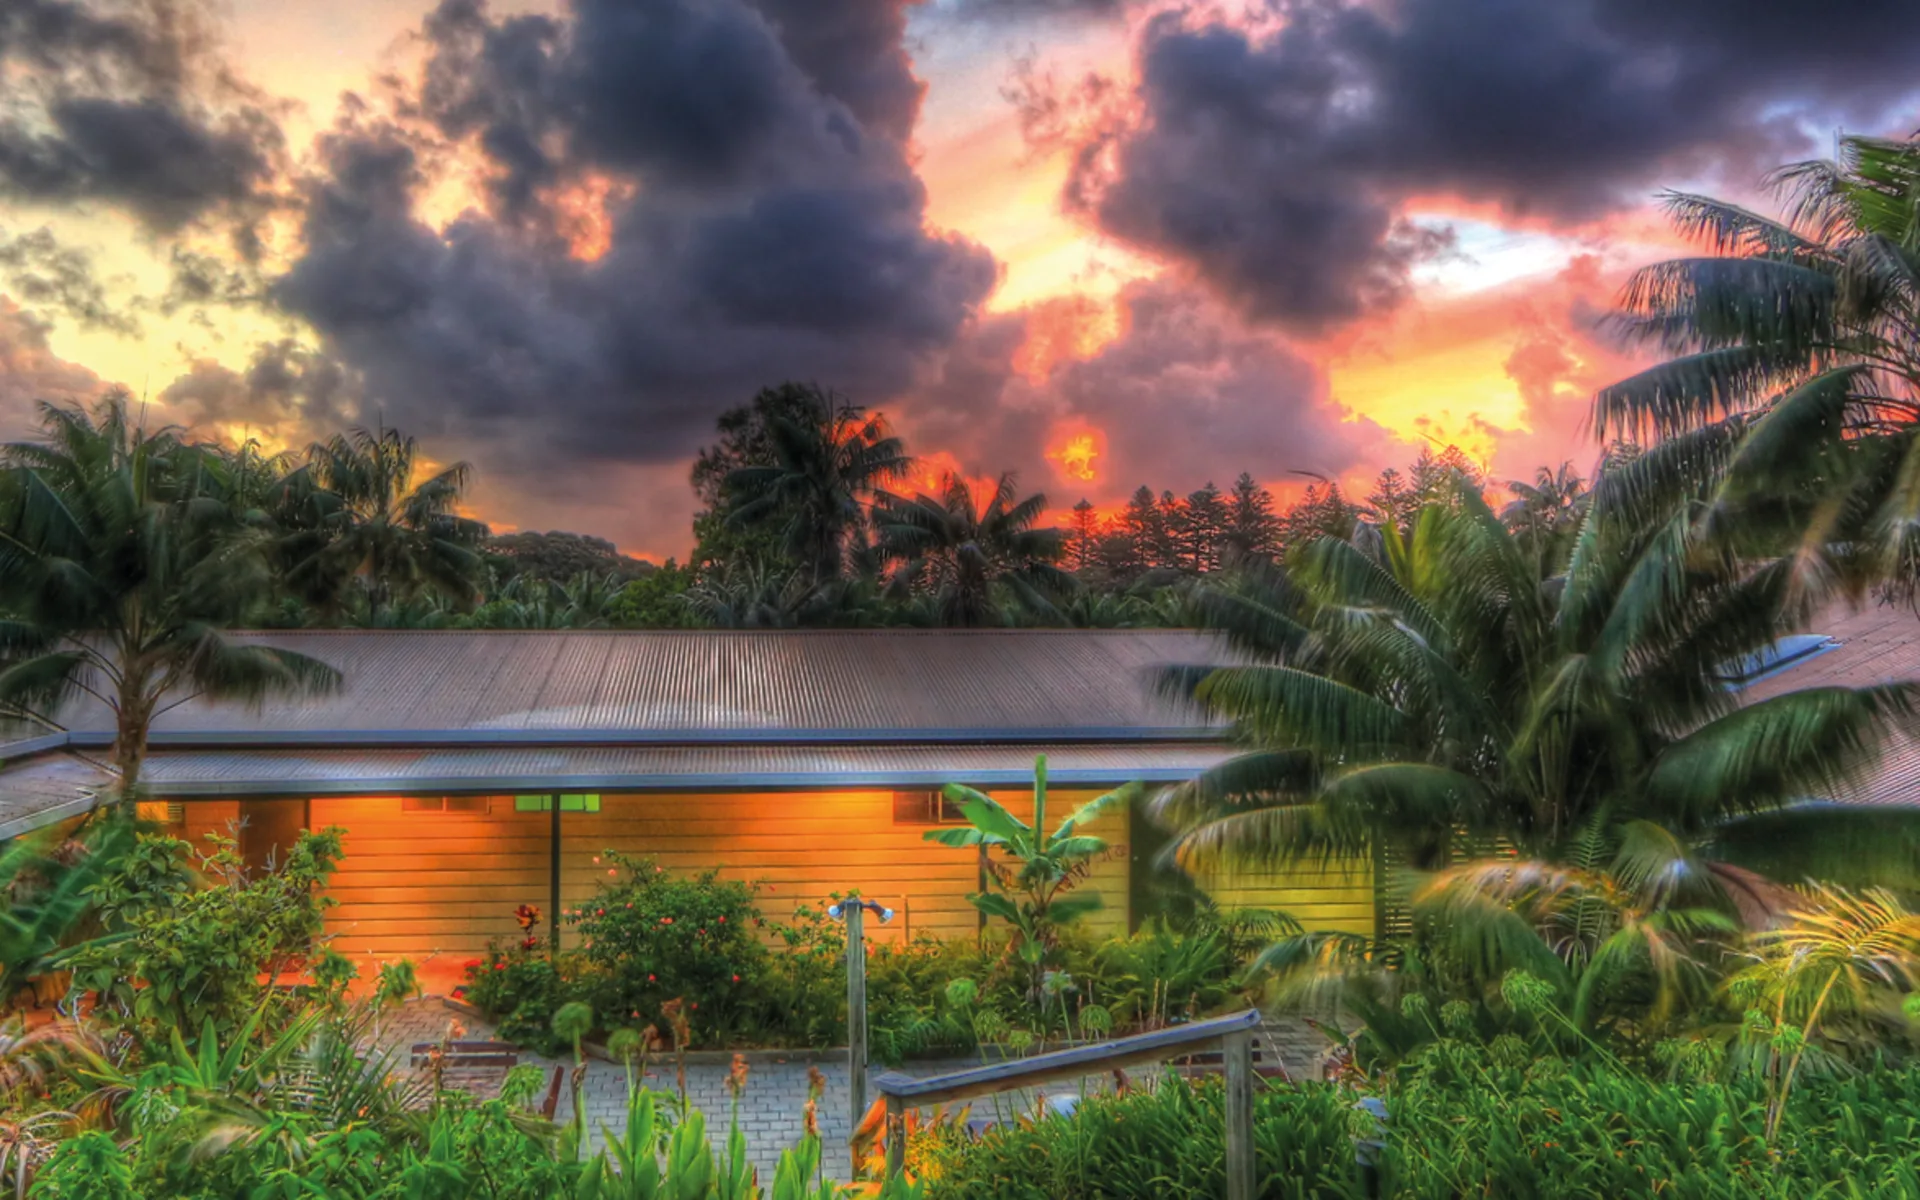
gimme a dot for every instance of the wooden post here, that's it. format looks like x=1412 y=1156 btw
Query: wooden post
x=896 y=1137
x=857 y=1016
x=1237 y=1050
x=553 y=873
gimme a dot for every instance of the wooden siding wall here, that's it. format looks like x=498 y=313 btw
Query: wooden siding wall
x=443 y=884
x=1337 y=896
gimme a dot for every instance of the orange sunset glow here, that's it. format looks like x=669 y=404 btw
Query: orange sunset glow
x=1082 y=245
x=1076 y=457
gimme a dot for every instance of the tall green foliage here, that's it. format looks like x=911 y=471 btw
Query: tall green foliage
x=1037 y=872
x=123 y=559
x=1446 y=686
x=961 y=553
x=359 y=516
x=1793 y=386
x=195 y=939
x=823 y=458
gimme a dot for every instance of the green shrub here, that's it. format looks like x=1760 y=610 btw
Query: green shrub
x=1467 y=1119
x=1165 y=1144
x=653 y=937
x=521 y=989
x=190 y=935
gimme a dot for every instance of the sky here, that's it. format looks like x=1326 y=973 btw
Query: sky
x=1099 y=243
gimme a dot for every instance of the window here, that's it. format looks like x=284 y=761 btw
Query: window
x=576 y=802
x=1784 y=654
x=926 y=808
x=164 y=812
x=444 y=804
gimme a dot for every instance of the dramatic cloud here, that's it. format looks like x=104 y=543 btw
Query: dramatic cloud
x=301 y=395
x=53 y=278
x=126 y=102
x=749 y=173
x=1275 y=159
x=1186 y=393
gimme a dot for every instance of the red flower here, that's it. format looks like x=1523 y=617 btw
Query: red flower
x=459 y=992
x=736 y=979
x=650 y=979
x=723 y=920
x=499 y=966
x=666 y=920
x=530 y=943
x=599 y=912
x=703 y=933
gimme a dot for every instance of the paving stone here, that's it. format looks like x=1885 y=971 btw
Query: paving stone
x=772 y=1110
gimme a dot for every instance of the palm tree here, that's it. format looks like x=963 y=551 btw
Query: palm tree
x=1795 y=376
x=828 y=458
x=1546 y=513
x=1838 y=952
x=963 y=553
x=121 y=564
x=1450 y=689
x=357 y=512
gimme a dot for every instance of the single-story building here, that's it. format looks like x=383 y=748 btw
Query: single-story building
x=476 y=771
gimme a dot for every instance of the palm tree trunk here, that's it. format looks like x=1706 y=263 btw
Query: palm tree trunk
x=130 y=746
x=1778 y=1109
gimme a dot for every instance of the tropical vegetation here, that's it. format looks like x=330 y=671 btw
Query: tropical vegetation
x=1629 y=946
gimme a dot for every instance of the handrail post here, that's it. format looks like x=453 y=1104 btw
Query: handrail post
x=853 y=911
x=856 y=1018
x=1237 y=1050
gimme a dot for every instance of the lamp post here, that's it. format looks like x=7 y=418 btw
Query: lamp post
x=853 y=910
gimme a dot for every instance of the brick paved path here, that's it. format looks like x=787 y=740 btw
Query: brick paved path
x=772 y=1113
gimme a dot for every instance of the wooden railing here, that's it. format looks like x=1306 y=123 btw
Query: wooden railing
x=1233 y=1036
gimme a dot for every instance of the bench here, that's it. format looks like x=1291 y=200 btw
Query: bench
x=467 y=1056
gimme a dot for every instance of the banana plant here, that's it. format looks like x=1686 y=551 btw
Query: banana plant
x=1034 y=877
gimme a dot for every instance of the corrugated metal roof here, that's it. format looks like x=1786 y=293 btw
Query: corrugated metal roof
x=1876 y=645
x=681 y=685
x=40 y=791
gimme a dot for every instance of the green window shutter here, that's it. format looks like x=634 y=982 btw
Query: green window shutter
x=569 y=802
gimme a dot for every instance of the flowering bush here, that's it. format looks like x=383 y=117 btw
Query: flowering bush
x=651 y=937
x=522 y=988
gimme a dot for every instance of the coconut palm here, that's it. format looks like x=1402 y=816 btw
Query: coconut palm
x=359 y=513
x=1795 y=373
x=964 y=553
x=828 y=458
x=1546 y=513
x=1450 y=689
x=122 y=563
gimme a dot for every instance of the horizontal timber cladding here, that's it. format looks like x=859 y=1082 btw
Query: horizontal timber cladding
x=423 y=884
x=1334 y=896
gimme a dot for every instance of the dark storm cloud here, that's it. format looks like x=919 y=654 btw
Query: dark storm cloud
x=1276 y=160
x=768 y=225
x=128 y=103
x=301 y=394
x=854 y=51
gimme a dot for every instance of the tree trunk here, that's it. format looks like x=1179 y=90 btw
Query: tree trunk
x=130 y=746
